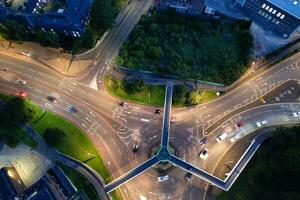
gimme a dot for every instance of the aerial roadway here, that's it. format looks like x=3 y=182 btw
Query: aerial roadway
x=100 y=116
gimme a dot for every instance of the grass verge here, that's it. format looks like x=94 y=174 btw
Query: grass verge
x=151 y=94
x=75 y=143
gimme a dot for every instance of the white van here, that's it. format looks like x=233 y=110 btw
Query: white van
x=221 y=137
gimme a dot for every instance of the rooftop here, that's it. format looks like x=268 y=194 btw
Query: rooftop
x=290 y=6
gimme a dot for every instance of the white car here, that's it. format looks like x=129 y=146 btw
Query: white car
x=21 y=81
x=162 y=178
x=221 y=137
x=296 y=114
x=203 y=154
x=261 y=123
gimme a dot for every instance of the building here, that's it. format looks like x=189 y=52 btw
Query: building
x=67 y=16
x=280 y=16
x=189 y=7
x=11 y=185
x=54 y=185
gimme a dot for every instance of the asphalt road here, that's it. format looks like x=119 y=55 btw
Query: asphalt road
x=115 y=129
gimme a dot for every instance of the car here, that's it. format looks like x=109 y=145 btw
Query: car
x=162 y=178
x=21 y=94
x=188 y=177
x=261 y=123
x=221 y=137
x=122 y=103
x=135 y=148
x=203 y=154
x=52 y=99
x=296 y=114
x=219 y=93
x=21 y=81
x=240 y=124
x=157 y=111
x=203 y=141
x=71 y=109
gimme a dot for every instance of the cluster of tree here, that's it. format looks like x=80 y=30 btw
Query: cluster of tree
x=15 y=111
x=274 y=171
x=189 y=47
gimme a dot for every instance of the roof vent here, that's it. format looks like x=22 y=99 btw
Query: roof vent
x=295 y=3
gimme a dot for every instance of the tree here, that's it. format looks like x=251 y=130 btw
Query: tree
x=101 y=16
x=53 y=136
x=48 y=38
x=14 y=31
x=138 y=85
x=179 y=94
x=20 y=110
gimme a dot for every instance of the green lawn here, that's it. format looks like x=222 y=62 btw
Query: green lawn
x=75 y=143
x=151 y=95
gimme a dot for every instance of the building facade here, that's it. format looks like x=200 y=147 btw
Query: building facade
x=67 y=16
x=280 y=16
x=189 y=7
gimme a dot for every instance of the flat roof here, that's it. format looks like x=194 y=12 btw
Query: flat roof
x=290 y=6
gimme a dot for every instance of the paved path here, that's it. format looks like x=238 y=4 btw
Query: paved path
x=54 y=155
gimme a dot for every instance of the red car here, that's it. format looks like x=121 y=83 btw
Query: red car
x=21 y=94
x=240 y=124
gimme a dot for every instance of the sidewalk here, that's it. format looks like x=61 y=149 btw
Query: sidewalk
x=48 y=57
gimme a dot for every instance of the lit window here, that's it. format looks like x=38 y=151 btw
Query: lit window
x=263 y=14
x=267 y=8
x=278 y=14
x=259 y=12
x=274 y=12
x=266 y=16
x=273 y=20
x=277 y=22
x=269 y=18
x=271 y=9
x=264 y=5
x=282 y=16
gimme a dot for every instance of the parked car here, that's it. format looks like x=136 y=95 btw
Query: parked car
x=188 y=177
x=162 y=178
x=21 y=94
x=296 y=114
x=21 y=81
x=240 y=124
x=203 y=141
x=157 y=111
x=135 y=148
x=203 y=154
x=52 y=99
x=221 y=137
x=71 y=109
x=261 y=123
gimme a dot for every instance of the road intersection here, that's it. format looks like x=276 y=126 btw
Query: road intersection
x=114 y=129
x=98 y=117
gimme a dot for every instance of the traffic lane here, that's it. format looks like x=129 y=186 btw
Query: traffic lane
x=228 y=101
x=273 y=114
x=286 y=90
x=77 y=90
x=97 y=132
x=116 y=39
